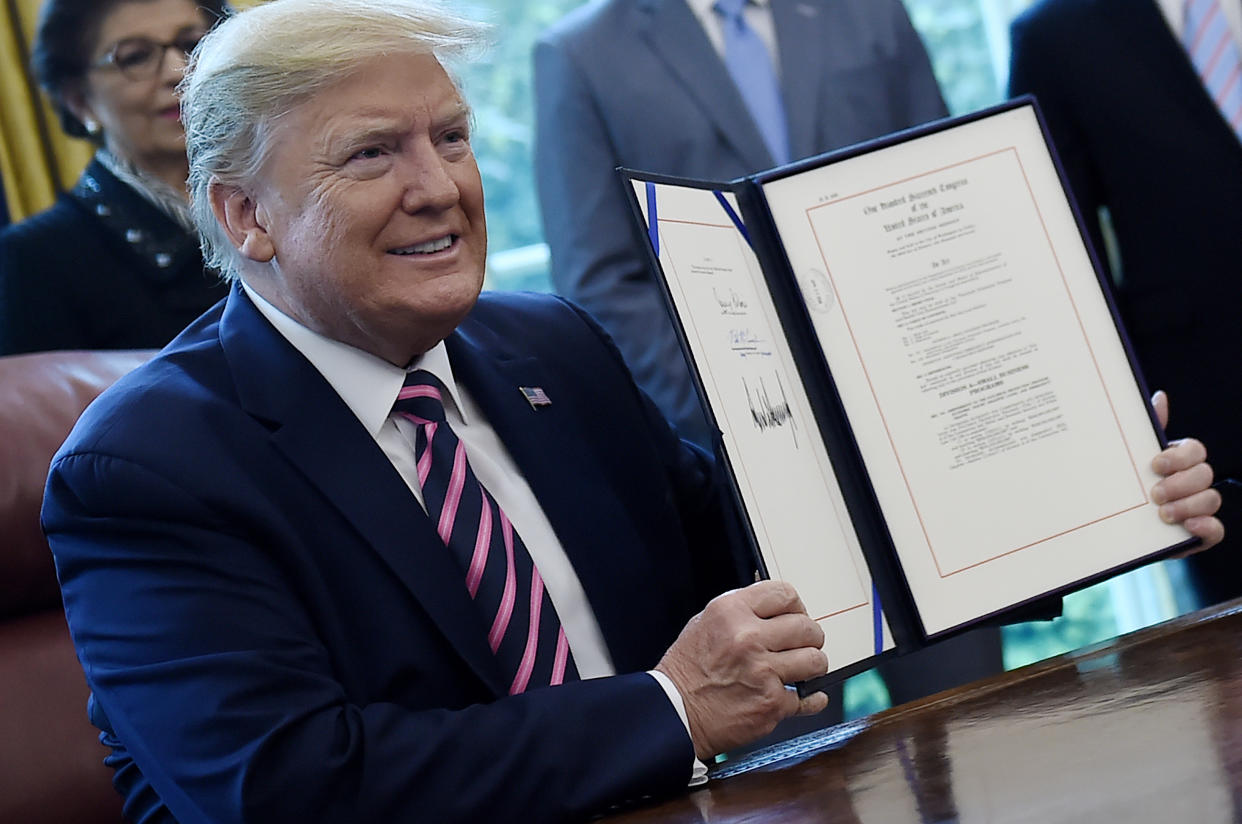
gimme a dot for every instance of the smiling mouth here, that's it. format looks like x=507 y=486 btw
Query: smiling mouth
x=428 y=248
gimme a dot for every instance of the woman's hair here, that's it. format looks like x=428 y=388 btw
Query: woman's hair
x=64 y=41
x=261 y=63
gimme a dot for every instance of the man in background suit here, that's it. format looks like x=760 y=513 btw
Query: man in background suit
x=1139 y=135
x=642 y=84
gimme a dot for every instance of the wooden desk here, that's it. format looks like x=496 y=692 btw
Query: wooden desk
x=1145 y=728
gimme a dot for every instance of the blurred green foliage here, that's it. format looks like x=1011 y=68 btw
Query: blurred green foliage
x=499 y=89
x=1086 y=618
x=954 y=34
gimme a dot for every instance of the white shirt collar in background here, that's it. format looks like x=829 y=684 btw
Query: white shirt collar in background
x=1174 y=14
x=758 y=15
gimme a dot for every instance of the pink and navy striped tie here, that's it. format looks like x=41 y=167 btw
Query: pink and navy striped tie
x=524 y=632
x=1214 y=51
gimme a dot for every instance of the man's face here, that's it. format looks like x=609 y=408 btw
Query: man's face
x=373 y=208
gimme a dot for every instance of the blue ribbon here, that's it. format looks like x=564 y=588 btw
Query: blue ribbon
x=877 y=619
x=733 y=216
x=653 y=229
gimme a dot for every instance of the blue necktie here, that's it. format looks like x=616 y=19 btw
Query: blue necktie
x=525 y=632
x=750 y=66
x=1212 y=48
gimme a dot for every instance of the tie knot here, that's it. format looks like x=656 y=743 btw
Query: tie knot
x=421 y=397
x=730 y=9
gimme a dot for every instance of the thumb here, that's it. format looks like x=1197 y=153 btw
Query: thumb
x=1160 y=402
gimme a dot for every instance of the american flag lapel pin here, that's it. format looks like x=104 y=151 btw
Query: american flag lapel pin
x=535 y=396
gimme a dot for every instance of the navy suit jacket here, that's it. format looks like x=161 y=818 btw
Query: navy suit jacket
x=637 y=83
x=273 y=631
x=1138 y=133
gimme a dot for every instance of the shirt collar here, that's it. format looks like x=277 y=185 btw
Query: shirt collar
x=703 y=8
x=1173 y=12
x=366 y=383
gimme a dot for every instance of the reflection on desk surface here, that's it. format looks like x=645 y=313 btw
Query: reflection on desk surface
x=1146 y=728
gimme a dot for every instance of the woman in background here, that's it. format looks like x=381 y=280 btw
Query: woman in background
x=114 y=264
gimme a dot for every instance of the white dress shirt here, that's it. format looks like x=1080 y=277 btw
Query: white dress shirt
x=1175 y=12
x=758 y=14
x=369 y=385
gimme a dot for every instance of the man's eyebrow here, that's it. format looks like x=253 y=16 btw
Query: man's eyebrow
x=363 y=130
x=462 y=111
x=379 y=125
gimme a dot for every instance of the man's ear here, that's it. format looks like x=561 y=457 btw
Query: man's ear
x=243 y=220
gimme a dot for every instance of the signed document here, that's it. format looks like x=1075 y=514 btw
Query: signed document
x=780 y=464
x=958 y=326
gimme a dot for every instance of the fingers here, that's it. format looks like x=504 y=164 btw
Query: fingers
x=1185 y=494
x=1160 y=402
x=792 y=631
x=792 y=666
x=1199 y=505
x=1179 y=455
x=771 y=598
x=813 y=704
x=1184 y=484
x=732 y=662
x=1210 y=531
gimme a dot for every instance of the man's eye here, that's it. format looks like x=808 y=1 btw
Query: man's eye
x=457 y=136
x=369 y=153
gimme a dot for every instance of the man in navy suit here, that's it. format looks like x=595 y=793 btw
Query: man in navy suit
x=260 y=568
x=273 y=627
x=1139 y=136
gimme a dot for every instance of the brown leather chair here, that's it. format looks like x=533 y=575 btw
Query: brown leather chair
x=51 y=761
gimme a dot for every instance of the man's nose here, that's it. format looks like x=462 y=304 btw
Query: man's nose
x=429 y=182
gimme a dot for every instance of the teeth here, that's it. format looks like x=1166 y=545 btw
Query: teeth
x=426 y=248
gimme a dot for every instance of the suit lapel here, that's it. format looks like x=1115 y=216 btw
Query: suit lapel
x=320 y=436
x=1146 y=20
x=1166 y=56
x=1145 y=23
x=677 y=40
x=800 y=42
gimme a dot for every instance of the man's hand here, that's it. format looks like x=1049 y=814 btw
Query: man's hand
x=732 y=661
x=1185 y=495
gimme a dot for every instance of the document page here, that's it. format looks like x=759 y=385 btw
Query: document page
x=770 y=436
x=981 y=371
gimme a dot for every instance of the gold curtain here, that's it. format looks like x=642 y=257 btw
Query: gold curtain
x=37 y=159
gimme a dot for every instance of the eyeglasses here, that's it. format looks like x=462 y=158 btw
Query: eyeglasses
x=140 y=58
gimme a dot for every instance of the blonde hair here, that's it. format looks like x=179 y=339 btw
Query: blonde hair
x=260 y=63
